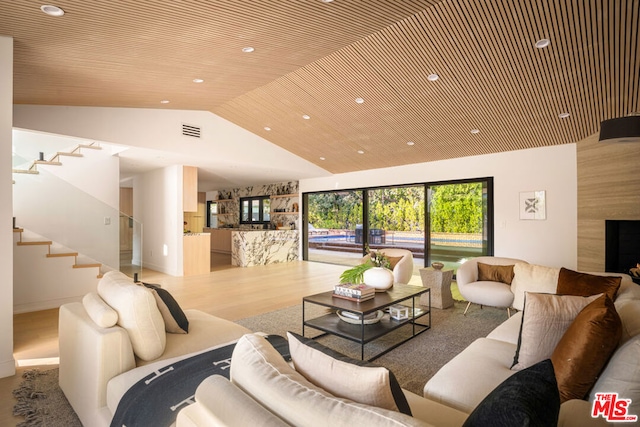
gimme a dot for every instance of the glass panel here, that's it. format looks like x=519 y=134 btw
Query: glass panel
x=213 y=214
x=457 y=223
x=335 y=227
x=255 y=210
x=245 y=210
x=266 y=210
x=396 y=220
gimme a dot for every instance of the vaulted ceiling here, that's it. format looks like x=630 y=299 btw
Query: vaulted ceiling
x=315 y=58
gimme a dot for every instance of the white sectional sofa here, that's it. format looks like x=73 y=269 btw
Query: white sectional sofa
x=469 y=377
x=266 y=390
x=105 y=340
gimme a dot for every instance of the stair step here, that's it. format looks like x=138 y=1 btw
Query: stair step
x=93 y=147
x=61 y=153
x=34 y=172
x=62 y=254
x=35 y=243
x=46 y=162
x=87 y=265
x=18 y=230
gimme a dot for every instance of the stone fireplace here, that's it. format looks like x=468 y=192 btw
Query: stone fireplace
x=622 y=245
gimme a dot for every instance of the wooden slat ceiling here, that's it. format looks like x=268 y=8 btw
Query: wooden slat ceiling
x=316 y=58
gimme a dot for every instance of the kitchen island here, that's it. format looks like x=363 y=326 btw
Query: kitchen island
x=261 y=247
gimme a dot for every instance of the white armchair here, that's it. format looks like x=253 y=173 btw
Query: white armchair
x=485 y=292
x=403 y=269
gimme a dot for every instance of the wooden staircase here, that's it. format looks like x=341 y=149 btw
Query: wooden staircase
x=59 y=254
x=55 y=159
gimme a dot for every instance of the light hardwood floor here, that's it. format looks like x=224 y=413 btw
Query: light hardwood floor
x=228 y=292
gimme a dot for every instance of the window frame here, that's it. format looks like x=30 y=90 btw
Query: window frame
x=250 y=199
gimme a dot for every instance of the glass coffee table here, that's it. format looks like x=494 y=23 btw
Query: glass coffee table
x=361 y=331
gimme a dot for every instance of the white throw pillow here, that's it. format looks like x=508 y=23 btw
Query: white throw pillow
x=545 y=319
x=138 y=314
x=260 y=371
x=342 y=376
x=532 y=278
x=99 y=311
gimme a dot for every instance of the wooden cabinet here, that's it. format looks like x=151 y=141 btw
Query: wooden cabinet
x=220 y=241
x=196 y=254
x=189 y=189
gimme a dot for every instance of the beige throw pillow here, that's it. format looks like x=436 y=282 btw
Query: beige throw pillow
x=545 y=319
x=138 y=314
x=342 y=376
x=532 y=278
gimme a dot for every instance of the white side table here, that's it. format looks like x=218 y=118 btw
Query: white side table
x=440 y=283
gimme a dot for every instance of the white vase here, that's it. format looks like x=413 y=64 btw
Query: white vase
x=379 y=278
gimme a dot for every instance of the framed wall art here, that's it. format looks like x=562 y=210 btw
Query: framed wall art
x=532 y=205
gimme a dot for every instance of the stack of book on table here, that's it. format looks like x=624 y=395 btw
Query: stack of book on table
x=354 y=291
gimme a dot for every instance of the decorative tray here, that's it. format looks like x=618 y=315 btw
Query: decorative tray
x=355 y=319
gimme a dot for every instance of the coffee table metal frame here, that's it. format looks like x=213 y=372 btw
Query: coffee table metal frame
x=364 y=333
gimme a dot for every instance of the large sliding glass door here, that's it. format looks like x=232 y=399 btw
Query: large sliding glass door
x=396 y=218
x=460 y=219
x=448 y=222
x=334 y=227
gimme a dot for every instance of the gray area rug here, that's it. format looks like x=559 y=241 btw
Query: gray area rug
x=415 y=361
x=42 y=403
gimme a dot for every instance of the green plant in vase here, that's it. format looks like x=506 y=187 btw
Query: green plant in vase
x=356 y=274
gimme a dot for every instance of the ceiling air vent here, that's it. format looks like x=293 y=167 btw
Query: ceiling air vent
x=192 y=131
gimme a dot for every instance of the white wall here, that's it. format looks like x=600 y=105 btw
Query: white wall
x=7 y=363
x=551 y=242
x=157 y=204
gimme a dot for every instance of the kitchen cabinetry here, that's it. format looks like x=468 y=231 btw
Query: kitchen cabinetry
x=220 y=240
x=190 y=189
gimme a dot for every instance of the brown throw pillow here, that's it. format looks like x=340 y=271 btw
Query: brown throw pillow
x=495 y=273
x=582 y=284
x=393 y=260
x=585 y=348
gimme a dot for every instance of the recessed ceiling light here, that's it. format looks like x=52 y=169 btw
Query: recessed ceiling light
x=164 y=101
x=433 y=77
x=198 y=80
x=475 y=131
x=267 y=128
x=360 y=152
x=306 y=116
x=542 y=43
x=564 y=115
x=411 y=143
x=52 y=10
x=322 y=158
x=248 y=49
x=359 y=100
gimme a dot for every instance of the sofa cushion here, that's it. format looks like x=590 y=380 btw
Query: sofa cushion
x=574 y=283
x=470 y=376
x=495 y=273
x=343 y=376
x=545 y=319
x=99 y=311
x=532 y=278
x=175 y=321
x=622 y=375
x=585 y=348
x=528 y=398
x=137 y=312
x=261 y=372
x=629 y=313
